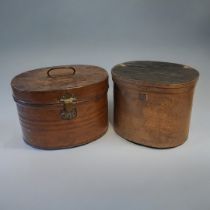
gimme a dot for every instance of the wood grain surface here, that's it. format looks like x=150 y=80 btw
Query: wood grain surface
x=153 y=112
x=38 y=99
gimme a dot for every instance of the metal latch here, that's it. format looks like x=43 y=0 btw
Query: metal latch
x=69 y=111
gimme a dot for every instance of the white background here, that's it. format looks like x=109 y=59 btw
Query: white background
x=110 y=173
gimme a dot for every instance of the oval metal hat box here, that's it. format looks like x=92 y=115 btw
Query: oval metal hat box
x=62 y=106
x=153 y=101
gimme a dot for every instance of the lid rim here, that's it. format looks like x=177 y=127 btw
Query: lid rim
x=29 y=103
x=157 y=85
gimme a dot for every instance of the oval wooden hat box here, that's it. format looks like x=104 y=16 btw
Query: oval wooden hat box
x=153 y=101
x=62 y=106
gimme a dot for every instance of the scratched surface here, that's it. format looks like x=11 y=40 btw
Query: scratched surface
x=155 y=72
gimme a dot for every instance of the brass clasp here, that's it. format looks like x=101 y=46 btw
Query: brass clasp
x=69 y=111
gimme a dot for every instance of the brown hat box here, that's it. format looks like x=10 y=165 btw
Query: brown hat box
x=62 y=106
x=153 y=102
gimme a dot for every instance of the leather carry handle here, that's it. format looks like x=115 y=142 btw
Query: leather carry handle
x=60 y=67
